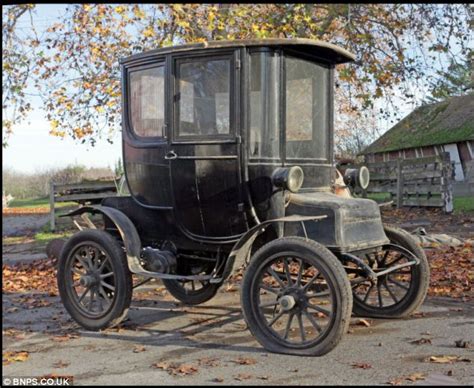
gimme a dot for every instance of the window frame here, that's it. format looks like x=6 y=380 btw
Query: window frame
x=163 y=138
x=234 y=96
x=288 y=53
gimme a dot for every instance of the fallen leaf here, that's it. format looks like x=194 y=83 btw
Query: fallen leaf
x=447 y=359
x=217 y=380
x=363 y=322
x=176 y=369
x=462 y=344
x=421 y=341
x=242 y=376
x=361 y=365
x=139 y=349
x=61 y=364
x=416 y=376
x=245 y=361
x=208 y=361
x=13 y=356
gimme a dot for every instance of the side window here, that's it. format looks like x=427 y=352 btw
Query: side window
x=147 y=101
x=264 y=105
x=204 y=97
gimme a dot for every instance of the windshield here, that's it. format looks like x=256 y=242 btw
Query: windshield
x=307 y=109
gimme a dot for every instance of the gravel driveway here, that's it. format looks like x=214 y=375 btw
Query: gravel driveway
x=212 y=344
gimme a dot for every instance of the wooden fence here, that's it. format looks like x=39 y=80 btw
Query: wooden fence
x=82 y=193
x=415 y=182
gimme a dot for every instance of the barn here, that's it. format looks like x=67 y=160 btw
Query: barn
x=431 y=129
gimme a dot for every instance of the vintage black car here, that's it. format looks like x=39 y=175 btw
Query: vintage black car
x=228 y=156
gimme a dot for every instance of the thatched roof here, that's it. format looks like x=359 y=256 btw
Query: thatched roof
x=449 y=121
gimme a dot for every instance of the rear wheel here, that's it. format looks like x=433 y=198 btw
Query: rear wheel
x=94 y=281
x=192 y=292
x=398 y=293
x=296 y=298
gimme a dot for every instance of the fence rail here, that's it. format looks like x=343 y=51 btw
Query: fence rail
x=82 y=193
x=415 y=182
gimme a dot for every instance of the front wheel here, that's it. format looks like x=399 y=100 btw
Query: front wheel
x=400 y=292
x=296 y=298
x=94 y=281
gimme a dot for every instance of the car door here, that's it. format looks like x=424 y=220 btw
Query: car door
x=205 y=146
x=145 y=139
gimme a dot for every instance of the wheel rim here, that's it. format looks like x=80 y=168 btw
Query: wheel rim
x=294 y=301
x=91 y=279
x=391 y=289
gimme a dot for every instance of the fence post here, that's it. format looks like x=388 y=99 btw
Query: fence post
x=51 y=205
x=399 y=184
x=446 y=182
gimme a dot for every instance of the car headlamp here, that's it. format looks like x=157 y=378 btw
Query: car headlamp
x=289 y=178
x=359 y=177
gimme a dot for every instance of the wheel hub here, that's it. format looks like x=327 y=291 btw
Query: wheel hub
x=287 y=302
x=88 y=280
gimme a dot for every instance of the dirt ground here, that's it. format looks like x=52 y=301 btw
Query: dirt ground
x=167 y=343
x=164 y=342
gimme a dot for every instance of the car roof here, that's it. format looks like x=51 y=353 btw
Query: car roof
x=329 y=51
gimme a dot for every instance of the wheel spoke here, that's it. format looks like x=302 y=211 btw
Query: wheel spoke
x=379 y=292
x=300 y=272
x=106 y=275
x=270 y=289
x=91 y=301
x=401 y=256
x=77 y=271
x=312 y=320
x=319 y=309
x=104 y=261
x=318 y=295
x=311 y=281
x=287 y=272
x=276 y=277
x=81 y=260
x=268 y=304
x=390 y=292
x=288 y=325
x=384 y=259
x=84 y=294
x=112 y=288
x=397 y=283
x=275 y=318
x=300 y=323
x=368 y=293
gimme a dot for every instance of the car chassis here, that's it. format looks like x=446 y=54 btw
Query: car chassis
x=228 y=157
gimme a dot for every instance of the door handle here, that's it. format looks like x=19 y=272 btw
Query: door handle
x=171 y=155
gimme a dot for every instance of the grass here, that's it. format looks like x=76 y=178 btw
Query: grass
x=461 y=204
x=45 y=237
x=31 y=203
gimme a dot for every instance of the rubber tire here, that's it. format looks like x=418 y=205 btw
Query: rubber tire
x=418 y=289
x=334 y=271
x=123 y=281
x=175 y=288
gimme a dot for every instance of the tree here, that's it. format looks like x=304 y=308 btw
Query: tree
x=457 y=80
x=397 y=45
x=17 y=64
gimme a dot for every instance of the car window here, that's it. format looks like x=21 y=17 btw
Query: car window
x=147 y=101
x=204 y=97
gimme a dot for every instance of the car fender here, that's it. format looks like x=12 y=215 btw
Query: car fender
x=127 y=230
x=242 y=248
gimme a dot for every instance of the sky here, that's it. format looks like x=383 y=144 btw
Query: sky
x=31 y=148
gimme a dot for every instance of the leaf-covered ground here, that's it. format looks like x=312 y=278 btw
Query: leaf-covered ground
x=452 y=273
